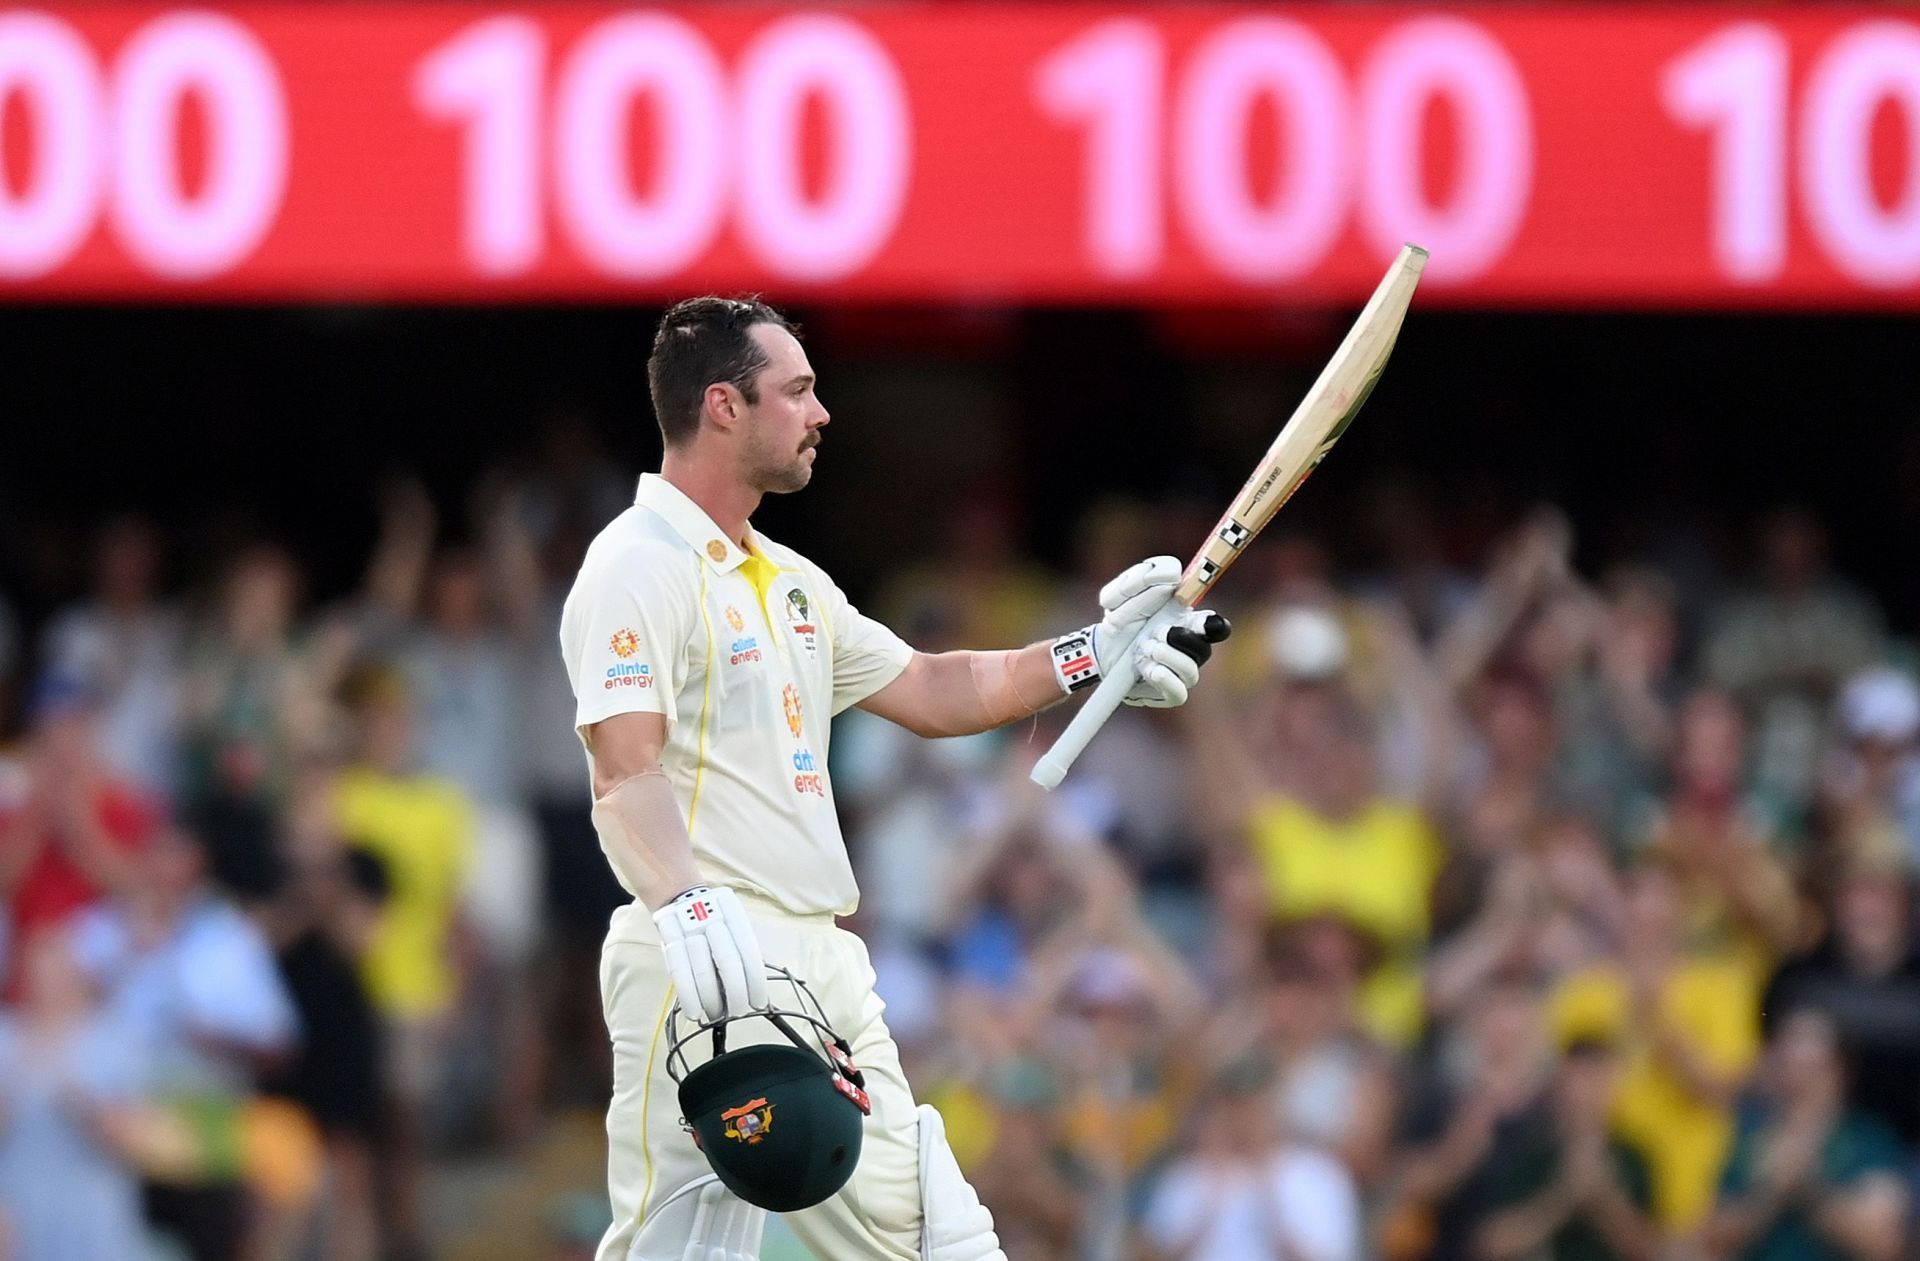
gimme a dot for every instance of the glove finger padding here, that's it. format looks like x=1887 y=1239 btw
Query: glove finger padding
x=712 y=954
x=1168 y=662
x=1159 y=687
x=1142 y=580
x=1177 y=664
x=746 y=944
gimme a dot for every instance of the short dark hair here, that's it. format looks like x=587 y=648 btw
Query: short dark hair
x=702 y=341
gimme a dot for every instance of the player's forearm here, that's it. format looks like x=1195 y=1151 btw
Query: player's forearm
x=644 y=835
x=960 y=693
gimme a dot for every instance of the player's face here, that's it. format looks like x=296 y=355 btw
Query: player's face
x=783 y=425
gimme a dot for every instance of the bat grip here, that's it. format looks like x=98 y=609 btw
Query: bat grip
x=1106 y=698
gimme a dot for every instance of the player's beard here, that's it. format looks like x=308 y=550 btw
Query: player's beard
x=779 y=469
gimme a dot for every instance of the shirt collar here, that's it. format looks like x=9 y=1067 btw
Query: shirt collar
x=690 y=521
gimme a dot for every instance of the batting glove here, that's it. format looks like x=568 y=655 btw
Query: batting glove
x=712 y=954
x=1168 y=659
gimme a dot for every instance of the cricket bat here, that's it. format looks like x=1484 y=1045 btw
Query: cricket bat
x=1323 y=415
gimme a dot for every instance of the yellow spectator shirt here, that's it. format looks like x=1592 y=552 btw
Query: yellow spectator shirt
x=1375 y=870
x=1710 y=1003
x=421 y=830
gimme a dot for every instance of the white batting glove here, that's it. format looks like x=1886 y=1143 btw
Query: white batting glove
x=1167 y=661
x=712 y=954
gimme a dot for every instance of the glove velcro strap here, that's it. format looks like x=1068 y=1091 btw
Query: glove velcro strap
x=1073 y=661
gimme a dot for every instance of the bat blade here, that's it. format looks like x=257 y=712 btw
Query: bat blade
x=1323 y=415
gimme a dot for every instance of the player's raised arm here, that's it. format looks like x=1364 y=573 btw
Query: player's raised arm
x=959 y=693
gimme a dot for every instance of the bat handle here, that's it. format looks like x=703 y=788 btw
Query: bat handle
x=1106 y=698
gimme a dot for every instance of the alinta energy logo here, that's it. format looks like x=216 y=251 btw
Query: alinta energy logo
x=624 y=672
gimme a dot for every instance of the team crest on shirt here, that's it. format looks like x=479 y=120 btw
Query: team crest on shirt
x=800 y=619
x=625 y=642
x=748 y=1123
x=790 y=705
x=735 y=622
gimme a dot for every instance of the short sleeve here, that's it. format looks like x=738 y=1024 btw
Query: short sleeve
x=624 y=633
x=866 y=655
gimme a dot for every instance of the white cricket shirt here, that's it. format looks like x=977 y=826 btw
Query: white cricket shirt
x=748 y=655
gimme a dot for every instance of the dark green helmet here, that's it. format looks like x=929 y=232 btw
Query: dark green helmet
x=779 y=1122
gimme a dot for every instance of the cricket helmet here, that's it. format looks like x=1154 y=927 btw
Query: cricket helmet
x=779 y=1122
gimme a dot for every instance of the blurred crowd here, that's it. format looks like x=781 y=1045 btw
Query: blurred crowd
x=1478 y=907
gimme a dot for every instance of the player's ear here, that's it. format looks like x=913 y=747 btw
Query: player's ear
x=723 y=404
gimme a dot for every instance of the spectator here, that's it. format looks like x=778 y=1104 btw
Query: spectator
x=1872 y=780
x=253 y=696
x=195 y=980
x=1036 y=1187
x=979 y=583
x=1332 y=1086
x=1617 y=712
x=125 y=643
x=1865 y=978
x=1325 y=839
x=1241 y=1192
x=1508 y=796
x=1686 y=1026
x=1809 y=1179
x=417 y=830
x=462 y=673
x=1550 y=910
x=1482 y=1087
x=1411 y=566
x=1784 y=647
x=321 y=922
x=76 y=834
x=1569 y=1188
x=73 y=1082
x=1738 y=898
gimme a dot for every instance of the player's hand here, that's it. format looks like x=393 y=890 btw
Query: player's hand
x=1168 y=660
x=712 y=954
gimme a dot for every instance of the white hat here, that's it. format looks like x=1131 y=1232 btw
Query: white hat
x=1881 y=704
x=1307 y=642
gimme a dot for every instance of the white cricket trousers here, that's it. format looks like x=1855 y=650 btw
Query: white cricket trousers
x=650 y=1156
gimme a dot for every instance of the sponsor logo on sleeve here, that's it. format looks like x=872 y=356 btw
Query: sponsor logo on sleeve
x=626 y=672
